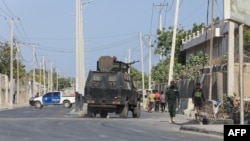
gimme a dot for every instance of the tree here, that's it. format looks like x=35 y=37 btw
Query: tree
x=64 y=83
x=5 y=62
x=137 y=76
x=247 y=41
x=194 y=65
x=160 y=71
x=164 y=44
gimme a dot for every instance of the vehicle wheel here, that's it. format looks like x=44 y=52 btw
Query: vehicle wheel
x=91 y=113
x=137 y=111
x=124 y=112
x=103 y=114
x=38 y=104
x=67 y=104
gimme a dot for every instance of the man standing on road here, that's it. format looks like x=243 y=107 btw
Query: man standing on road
x=198 y=98
x=151 y=101
x=173 y=99
x=163 y=101
x=14 y=98
x=157 y=100
x=147 y=100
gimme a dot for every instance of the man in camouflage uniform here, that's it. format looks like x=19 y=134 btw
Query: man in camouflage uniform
x=173 y=98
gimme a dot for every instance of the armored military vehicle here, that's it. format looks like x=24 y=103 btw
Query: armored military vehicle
x=110 y=89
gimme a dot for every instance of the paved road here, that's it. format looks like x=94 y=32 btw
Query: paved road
x=52 y=124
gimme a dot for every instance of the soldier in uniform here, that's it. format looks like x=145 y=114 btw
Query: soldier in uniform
x=173 y=98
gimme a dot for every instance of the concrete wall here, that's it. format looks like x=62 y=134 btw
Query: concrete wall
x=3 y=89
x=219 y=84
x=246 y=79
x=22 y=96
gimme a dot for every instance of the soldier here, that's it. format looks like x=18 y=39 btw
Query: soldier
x=173 y=99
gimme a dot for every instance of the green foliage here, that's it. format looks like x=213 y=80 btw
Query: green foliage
x=19 y=68
x=160 y=71
x=178 y=71
x=164 y=43
x=182 y=68
x=229 y=107
x=232 y=109
x=64 y=83
x=39 y=78
x=137 y=76
x=5 y=62
x=247 y=40
x=191 y=70
x=197 y=27
x=194 y=64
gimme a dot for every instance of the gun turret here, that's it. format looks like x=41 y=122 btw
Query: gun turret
x=133 y=62
x=108 y=64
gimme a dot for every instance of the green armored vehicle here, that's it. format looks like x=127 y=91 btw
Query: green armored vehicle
x=110 y=89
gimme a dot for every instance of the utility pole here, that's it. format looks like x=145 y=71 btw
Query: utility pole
x=51 y=76
x=11 y=62
x=40 y=77
x=82 y=54
x=57 y=80
x=160 y=22
x=33 y=86
x=44 y=81
x=149 y=64
x=12 y=21
x=18 y=65
x=211 y=52
x=171 y=65
x=48 y=80
x=230 y=65
x=241 y=61
x=129 y=60
x=80 y=67
x=78 y=38
x=33 y=80
x=142 y=62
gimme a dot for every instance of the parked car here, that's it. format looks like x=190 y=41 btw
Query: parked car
x=52 y=98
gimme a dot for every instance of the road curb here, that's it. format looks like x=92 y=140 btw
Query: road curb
x=201 y=130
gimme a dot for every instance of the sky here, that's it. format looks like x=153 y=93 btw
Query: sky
x=110 y=27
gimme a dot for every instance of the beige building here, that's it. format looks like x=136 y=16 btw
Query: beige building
x=200 y=41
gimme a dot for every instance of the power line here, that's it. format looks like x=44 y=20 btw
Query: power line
x=8 y=9
x=4 y=12
x=195 y=9
x=151 y=21
x=171 y=6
